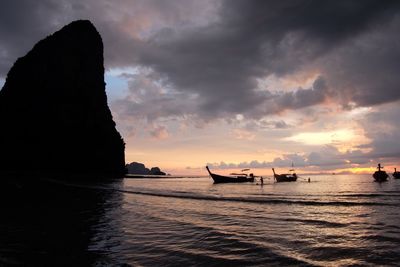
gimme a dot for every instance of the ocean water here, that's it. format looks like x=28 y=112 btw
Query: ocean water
x=335 y=220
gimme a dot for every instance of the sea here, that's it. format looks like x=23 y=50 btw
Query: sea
x=333 y=220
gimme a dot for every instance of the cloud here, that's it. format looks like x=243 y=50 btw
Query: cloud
x=149 y=99
x=322 y=137
x=266 y=124
x=326 y=158
x=159 y=132
x=381 y=126
x=22 y=24
x=220 y=62
x=123 y=24
x=217 y=50
x=363 y=71
x=243 y=134
x=202 y=61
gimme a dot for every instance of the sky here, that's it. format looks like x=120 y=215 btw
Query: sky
x=238 y=83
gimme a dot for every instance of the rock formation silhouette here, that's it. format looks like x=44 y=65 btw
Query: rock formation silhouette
x=140 y=168
x=54 y=115
x=156 y=171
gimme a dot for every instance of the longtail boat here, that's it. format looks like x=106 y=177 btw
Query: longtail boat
x=396 y=174
x=380 y=176
x=241 y=178
x=286 y=177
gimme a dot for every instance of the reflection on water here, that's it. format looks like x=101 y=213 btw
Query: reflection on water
x=334 y=220
x=52 y=224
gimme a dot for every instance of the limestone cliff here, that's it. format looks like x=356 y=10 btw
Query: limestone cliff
x=54 y=115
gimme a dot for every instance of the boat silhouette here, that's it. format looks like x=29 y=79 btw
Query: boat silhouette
x=396 y=174
x=238 y=178
x=285 y=177
x=380 y=176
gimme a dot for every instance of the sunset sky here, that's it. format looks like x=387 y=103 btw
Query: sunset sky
x=237 y=83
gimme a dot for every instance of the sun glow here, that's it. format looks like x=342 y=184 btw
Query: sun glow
x=357 y=170
x=321 y=138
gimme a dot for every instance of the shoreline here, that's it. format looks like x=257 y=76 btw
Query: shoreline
x=141 y=176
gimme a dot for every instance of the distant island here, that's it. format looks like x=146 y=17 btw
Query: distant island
x=140 y=168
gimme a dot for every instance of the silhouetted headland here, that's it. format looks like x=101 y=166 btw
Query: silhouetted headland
x=54 y=116
x=140 y=169
x=55 y=124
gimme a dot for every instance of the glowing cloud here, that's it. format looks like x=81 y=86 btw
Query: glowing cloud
x=322 y=138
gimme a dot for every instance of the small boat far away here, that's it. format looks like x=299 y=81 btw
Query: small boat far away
x=380 y=176
x=238 y=178
x=396 y=174
x=286 y=177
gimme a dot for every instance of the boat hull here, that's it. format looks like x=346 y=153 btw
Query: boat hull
x=285 y=178
x=227 y=179
x=380 y=176
x=396 y=175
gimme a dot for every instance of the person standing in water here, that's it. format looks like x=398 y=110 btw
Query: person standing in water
x=261 y=181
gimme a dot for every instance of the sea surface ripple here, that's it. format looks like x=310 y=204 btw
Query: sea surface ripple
x=335 y=220
x=332 y=221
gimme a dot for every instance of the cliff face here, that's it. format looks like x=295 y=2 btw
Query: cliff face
x=54 y=115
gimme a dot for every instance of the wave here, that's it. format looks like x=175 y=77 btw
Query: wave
x=382 y=238
x=316 y=222
x=259 y=200
x=219 y=246
x=349 y=195
x=254 y=200
x=372 y=195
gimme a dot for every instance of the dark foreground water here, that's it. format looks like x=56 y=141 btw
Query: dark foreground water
x=332 y=221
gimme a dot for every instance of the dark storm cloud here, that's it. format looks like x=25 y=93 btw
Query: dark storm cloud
x=21 y=24
x=300 y=98
x=253 y=39
x=381 y=126
x=353 y=44
x=24 y=22
x=148 y=100
x=329 y=21
x=366 y=71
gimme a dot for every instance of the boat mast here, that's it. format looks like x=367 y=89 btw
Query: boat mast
x=379 y=167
